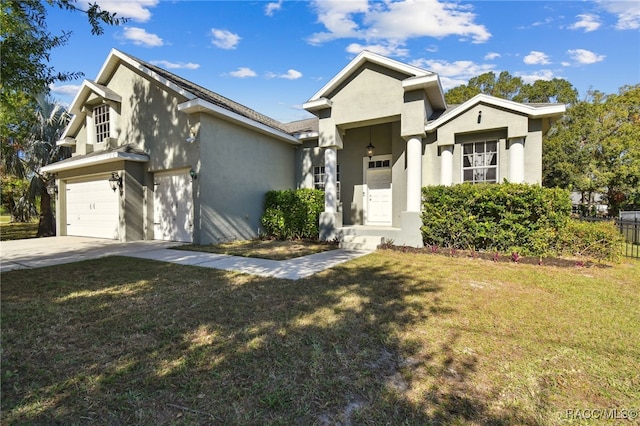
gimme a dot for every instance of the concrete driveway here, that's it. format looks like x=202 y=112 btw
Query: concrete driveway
x=37 y=252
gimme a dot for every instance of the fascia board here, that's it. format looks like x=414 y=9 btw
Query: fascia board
x=200 y=105
x=116 y=56
x=363 y=57
x=109 y=157
x=103 y=91
x=308 y=136
x=318 y=104
x=531 y=111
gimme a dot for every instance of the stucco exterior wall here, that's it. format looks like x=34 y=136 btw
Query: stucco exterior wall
x=373 y=93
x=494 y=124
x=238 y=166
x=150 y=118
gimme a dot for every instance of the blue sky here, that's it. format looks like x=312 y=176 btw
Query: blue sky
x=272 y=56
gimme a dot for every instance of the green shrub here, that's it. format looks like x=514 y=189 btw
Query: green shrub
x=293 y=214
x=507 y=217
x=599 y=240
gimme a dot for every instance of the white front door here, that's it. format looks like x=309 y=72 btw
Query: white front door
x=93 y=209
x=379 y=198
x=173 y=207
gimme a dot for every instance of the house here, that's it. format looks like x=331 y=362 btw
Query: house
x=158 y=157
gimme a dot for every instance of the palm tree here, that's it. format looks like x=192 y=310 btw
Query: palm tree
x=41 y=149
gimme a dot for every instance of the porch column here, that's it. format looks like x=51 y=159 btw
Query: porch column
x=330 y=180
x=516 y=160
x=446 y=165
x=330 y=219
x=414 y=173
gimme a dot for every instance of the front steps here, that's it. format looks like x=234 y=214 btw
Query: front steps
x=359 y=237
x=361 y=242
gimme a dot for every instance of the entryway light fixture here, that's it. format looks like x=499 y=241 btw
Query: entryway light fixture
x=52 y=188
x=193 y=174
x=115 y=181
x=370 y=149
x=192 y=135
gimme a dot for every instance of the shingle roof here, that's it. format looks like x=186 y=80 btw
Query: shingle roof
x=214 y=97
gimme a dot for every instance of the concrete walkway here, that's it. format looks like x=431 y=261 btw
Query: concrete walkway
x=39 y=252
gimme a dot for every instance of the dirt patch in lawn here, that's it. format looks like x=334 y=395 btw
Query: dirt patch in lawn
x=264 y=249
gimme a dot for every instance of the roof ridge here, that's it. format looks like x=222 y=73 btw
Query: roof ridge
x=213 y=97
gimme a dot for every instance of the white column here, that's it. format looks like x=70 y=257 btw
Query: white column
x=414 y=173
x=446 y=165
x=330 y=180
x=516 y=160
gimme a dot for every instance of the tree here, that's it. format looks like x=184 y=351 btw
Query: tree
x=52 y=118
x=557 y=90
x=596 y=148
x=26 y=45
x=506 y=86
x=28 y=123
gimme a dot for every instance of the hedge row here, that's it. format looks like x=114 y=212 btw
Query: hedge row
x=522 y=218
x=293 y=214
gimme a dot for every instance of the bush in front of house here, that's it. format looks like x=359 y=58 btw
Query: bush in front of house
x=600 y=240
x=514 y=218
x=293 y=214
x=509 y=217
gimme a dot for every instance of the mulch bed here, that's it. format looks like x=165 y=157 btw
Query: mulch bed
x=499 y=257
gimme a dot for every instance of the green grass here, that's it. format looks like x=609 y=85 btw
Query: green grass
x=390 y=338
x=16 y=231
x=264 y=249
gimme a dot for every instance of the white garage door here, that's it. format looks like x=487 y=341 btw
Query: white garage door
x=173 y=207
x=92 y=209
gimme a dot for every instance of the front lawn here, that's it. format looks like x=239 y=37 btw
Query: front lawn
x=389 y=338
x=17 y=231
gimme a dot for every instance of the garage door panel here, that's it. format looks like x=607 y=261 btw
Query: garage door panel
x=173 y=207
x=92 y=210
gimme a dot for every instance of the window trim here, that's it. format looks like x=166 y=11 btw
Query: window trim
x=319 y=179
x=496 y=167
x=102 y=129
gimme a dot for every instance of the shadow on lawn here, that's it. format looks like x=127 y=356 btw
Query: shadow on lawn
x=185 y=344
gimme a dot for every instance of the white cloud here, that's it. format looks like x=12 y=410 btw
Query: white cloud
x=453 y=74
x=337 y=18
x=65 y=89
x=176 y=65
x=587 y=22
x=243 y=72
x=292 y=75
x=628 y=13
x=381 y=49
x=270 y=8
x=395 y=22
x=224 y=39
x=289 y=75
x=536 y=58
x=136 y=10
x=141 y=37
x=530 y=78
x=491 y=56
x=585 y=57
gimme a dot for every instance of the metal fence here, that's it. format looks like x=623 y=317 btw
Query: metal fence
x=630 y=230
x=629 y=226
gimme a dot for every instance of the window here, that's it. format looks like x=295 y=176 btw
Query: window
x=101 y=120
x=318 y=179
x=480 y=162
x=379 y=164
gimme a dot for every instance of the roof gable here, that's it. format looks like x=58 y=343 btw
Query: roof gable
x=189 y=90
x=361 y=59
x=530 y=110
